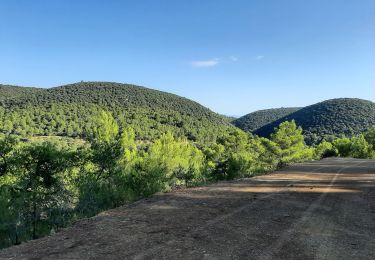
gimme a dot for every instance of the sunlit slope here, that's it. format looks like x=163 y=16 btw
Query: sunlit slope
x=334 y=117
x=68 y=110
x=260 y=118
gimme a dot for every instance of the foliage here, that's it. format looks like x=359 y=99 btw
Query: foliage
x=46 y=183
x=235 y=159
x=6 y=149
x=8 y=91
x=177 y=158
x=33 y=194
x=68 y=111
x=290 y=140
x=323 y=150
x=268 y=155
x=356 y=147
x=359 y=147
x=326 y=120
x=343 y=146
x=101 y=182
x=255 y=120
x=370 y=136
x=119 y=171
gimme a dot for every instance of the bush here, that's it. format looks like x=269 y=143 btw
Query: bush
x=359 y=147
x=356 y=147
x=342 y=146
x=323 y=150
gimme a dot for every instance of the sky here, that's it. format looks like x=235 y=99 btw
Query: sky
x=232 y=56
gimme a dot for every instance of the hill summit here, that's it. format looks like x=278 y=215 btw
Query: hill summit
x=260 y=118
x=323 y=120
x=66 y=110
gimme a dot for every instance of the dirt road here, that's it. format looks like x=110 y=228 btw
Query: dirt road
x=317 y=210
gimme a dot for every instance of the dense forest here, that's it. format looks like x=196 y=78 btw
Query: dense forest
x=255 y=120
x=67 y=111
x=14 y=92
x=70 y=152
x=322 y=121
x=47 y=184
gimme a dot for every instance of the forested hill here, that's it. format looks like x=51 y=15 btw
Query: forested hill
x=324 y=120
x=108 y=94
x=257 y=119
x=68 y=110
x=12 y=92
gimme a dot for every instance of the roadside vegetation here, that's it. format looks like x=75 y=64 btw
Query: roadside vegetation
x=72 y=151
x=48 y=183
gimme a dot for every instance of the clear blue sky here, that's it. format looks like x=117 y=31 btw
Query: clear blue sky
x=232 y=56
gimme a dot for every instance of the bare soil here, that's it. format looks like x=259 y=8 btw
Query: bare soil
x=317 y=210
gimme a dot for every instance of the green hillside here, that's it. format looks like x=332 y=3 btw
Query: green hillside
x=9 y=92
x=257 y=119
x=67 y=111
x=324 y=120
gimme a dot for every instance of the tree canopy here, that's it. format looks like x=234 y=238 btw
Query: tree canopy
x=322 y=121
x=68 y=111
x=255 y=120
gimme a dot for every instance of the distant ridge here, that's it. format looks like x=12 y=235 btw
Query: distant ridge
x=327 y=119
x=260 y=118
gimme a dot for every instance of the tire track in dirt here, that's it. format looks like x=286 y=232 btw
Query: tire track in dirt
x=151 y=251
x=274 y=249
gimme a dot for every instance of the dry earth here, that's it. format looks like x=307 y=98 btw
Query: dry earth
x=317 y=210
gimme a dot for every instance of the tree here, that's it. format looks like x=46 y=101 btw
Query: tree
x=359 y=147
x=128 y=148
x=267 y=152
x=8 y=209
x=343 y=146
x=40 y=185
x=105 y=181
x=236 y=158
x=176 y=158
x=105 y=145
x=106 y=129
x=291 y=142
x=370 y=136
x=7 y=147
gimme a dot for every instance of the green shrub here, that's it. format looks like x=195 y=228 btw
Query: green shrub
x=323 y=150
